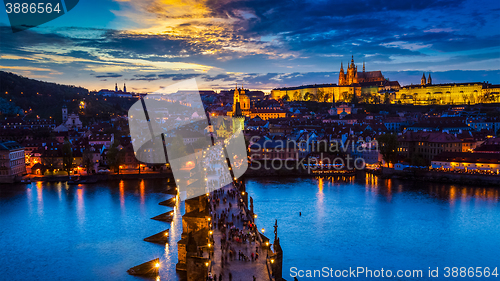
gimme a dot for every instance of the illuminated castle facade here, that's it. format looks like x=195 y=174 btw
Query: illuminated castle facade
x=364 y=86
x=428 y=93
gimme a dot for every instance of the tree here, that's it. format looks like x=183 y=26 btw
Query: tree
x=307 y=96
x=67 y=150
x=354 y=99
x=388 y=144
x=286 y=97
x=296 y=96
x=87 y=159
x=328 y=97
x=320 y=95
x=114 y=156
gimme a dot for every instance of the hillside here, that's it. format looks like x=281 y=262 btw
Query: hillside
x=19 y=94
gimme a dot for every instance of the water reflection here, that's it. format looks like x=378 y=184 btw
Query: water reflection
x=321 y=196
x=122 y=195
x=451 y=193
x=141 y=190
x=80 y=207
x=39 y=197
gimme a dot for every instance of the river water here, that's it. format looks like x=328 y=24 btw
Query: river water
x=55 y=231
x=375 y=224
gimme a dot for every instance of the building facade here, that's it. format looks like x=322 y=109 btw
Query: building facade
x=12 y=161
x=452 y=93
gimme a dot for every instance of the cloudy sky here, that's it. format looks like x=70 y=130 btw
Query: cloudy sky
x=261 y=43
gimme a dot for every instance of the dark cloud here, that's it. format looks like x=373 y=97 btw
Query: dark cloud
x=82 y=55
x=173 y=76
x=109 y=75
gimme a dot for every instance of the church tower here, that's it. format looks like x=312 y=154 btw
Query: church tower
x=429 y=80
x=341 y=75
x=422 y=80
x=351 y=73
x=244 y=101
x=124 y=88
x=236 y=98
x=238 y=120
x=64 y=114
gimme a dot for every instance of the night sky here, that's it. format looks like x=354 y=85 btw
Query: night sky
x=260 y=43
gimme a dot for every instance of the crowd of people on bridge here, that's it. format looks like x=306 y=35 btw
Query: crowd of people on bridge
x=235 y=242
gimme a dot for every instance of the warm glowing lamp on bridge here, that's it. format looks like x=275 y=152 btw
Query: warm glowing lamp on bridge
x=243 y=193
x=255 y=216
x=272 y=260
x=157 y=265
x=209 y=245
x=262 y=230
x=267 y=243
x=206 y=264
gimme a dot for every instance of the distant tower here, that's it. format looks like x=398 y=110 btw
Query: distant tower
x=429 y=80
x=116 y=87
x=422 y=80
x=238 y=120
x=244 y=101
x=351 y=73
x=341 y=75
x=124 y=88
x=236 y=98
x=363 y=66
x=64 y=114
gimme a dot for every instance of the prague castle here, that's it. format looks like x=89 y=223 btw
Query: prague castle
x=373 y=87
x=352 y=76
x=365 y=86
x=428 y=93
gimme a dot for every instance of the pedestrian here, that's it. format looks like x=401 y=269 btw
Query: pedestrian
x=230 y=277
x=254 y=279
x=220 y=277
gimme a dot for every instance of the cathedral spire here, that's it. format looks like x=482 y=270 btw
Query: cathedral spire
x=363 y=66
x=341 y=67
x=422 y=80
x=429 y=80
